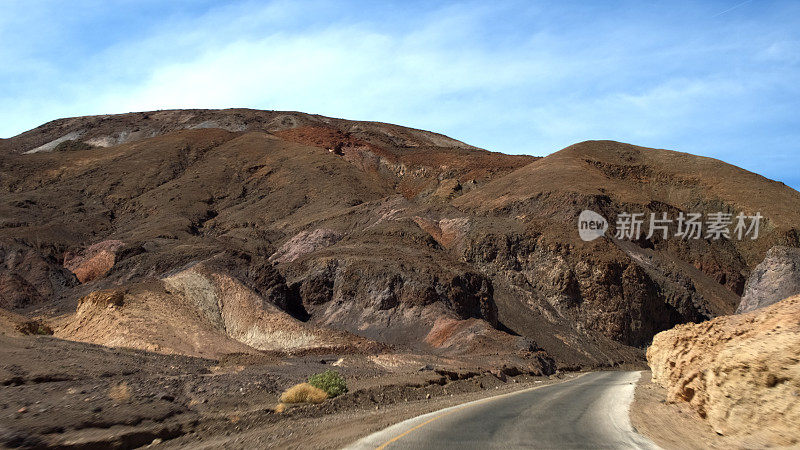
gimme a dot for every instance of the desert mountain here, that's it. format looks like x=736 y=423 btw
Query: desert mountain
x=206 y=232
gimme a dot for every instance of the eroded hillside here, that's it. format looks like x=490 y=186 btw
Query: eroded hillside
x=240 y=230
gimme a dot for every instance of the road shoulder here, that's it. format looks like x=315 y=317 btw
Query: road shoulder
x=340 y=429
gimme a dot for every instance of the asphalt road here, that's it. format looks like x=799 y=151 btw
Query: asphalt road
x=590 y=411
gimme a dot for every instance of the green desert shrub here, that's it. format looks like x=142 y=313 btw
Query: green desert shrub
x=330 y=382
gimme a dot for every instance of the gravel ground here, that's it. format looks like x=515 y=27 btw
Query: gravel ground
x=76 y=395
x=327 y=431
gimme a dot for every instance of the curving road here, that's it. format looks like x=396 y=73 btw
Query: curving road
x=590 y=411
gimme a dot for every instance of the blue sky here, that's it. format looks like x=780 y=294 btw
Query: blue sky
x=717 y=78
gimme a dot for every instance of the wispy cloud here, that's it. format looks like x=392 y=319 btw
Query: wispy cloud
x=518 y=77
x=738 y=5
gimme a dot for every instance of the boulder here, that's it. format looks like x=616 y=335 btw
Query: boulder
x=96 y=261
x=775 y=278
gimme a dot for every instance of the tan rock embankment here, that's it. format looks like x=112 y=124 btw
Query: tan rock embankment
x=198 y=311
x=741 y=373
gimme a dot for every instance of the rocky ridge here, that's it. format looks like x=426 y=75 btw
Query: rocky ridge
x=369 y=234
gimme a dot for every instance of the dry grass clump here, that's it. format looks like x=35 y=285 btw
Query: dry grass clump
x=120 y=393
x=303 y=393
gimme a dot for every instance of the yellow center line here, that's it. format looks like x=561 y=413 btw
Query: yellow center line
x=459 y=408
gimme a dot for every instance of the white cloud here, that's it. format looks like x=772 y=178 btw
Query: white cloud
x=515 y=87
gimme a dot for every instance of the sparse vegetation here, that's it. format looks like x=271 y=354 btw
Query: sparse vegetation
x=120 y=393
x=303 y=393
x=71 y=146
x=329 y=381
x=34 y=327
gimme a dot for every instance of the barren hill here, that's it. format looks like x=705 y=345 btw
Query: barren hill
x=242 y=231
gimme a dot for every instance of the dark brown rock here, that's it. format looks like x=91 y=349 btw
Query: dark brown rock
x=775 y=278
x=375 y=229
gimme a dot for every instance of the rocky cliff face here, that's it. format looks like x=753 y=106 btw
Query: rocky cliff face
x=775 y=278
x=741 y=372
x=401 y=237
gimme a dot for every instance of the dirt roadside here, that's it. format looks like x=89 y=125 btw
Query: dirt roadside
x=302 y=428
x=62 y=394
